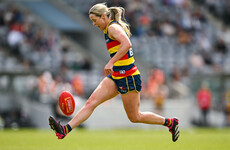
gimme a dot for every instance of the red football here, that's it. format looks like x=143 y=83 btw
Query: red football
x=66 y=103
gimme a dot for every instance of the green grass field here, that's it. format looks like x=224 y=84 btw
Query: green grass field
x=158 y=139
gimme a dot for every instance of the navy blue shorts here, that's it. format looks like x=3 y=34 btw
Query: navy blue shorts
x=127 y=84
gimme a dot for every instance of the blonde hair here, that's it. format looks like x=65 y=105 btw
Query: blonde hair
x=114 y=13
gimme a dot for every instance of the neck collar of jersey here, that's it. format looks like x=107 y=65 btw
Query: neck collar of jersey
x=106 y=29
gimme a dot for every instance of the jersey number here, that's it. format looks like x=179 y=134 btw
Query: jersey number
x=131 y=52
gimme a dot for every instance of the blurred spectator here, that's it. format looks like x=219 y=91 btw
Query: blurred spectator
x=178 y=89
x=207 y=58
x=28 y=17
x=184 y=37
x=45 y=83
x=156 y=78
x=196 y=61
x=159 y=98
x=14 y=38
x=1 y=122
x=78 y=85
x=155 y=29
x=203 y=42
x=152 y=84
x=224 y=33
x=204 y=97
x=197 y=14
x=86 y=64
x=46 y=86
x=157 y=90
x=167 y=28
x=186 y=19
x=145 y=21
x=227 y=107
x=2 y=21
x=220 y=46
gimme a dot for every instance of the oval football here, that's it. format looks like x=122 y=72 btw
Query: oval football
x=66 y=103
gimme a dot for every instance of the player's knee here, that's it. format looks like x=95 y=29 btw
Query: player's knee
x=90 y=104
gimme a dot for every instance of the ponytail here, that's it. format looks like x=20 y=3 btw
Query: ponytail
x=118 y=14
x=115 y=13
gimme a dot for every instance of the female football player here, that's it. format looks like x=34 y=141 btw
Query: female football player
x=123 y=77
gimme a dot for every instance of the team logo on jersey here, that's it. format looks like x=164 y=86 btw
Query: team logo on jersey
x=122 y=71
x=122 y=88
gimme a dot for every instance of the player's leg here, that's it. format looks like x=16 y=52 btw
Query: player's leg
x=105 y=91
x=131 y=102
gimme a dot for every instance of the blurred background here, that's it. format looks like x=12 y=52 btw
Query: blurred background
x=181 y=47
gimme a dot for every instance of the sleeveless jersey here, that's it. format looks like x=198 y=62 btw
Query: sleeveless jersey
x=125 y=66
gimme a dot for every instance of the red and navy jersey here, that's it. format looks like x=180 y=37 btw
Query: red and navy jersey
x=125 y=66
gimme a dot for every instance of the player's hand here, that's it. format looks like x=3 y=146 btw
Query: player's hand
x=108 y=69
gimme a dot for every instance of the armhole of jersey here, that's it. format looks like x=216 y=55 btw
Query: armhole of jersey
x=108 y=31
x=111 y=24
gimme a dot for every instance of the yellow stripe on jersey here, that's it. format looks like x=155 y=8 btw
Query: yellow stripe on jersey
x=135 y=73
x=124 y=62
x=113 y=49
